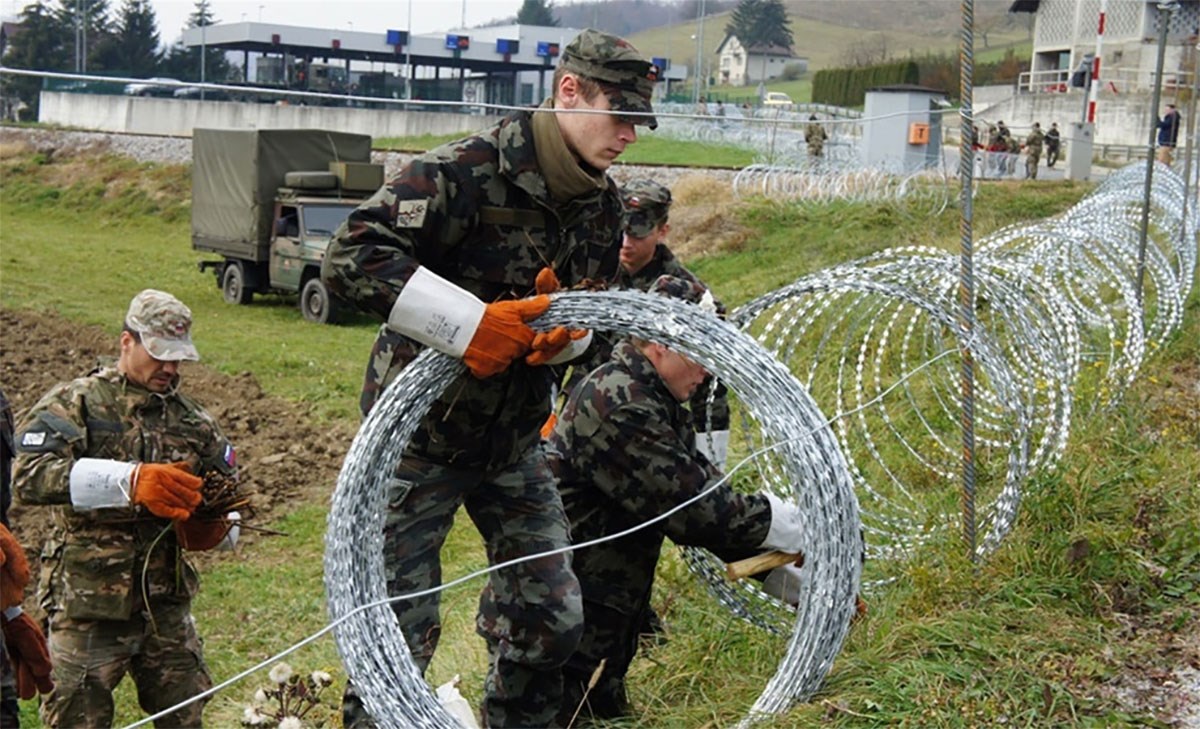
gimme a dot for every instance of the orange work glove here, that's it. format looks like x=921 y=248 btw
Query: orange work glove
x=26 y=646
x=14 y=570
x=168 y=490
x=548 y=426
x=547 y=345
x=199 y=535
x=503 y=335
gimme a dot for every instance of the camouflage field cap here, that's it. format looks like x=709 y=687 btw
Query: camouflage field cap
x=625 y=76
x=692 y=292
x=164 y=324
x=646 y=206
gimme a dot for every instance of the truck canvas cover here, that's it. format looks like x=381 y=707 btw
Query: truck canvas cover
x=236 y=174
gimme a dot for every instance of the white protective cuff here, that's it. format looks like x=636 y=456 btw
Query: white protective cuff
x=785 y=534
x=12 y=613
x=784 y=583
x=437 y=313
x=573 y=349
x=714 y=445
x=231 y=536
x=98 y=483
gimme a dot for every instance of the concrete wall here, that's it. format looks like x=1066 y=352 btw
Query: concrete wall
x=148 y=115
x=1120 y=119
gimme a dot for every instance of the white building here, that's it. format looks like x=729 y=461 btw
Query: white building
x=1065 y=31
x=742 y=66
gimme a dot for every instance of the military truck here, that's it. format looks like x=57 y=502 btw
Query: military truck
x=268 y=200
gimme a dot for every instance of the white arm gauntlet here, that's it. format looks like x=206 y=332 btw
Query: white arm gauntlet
x=784 y=534
x=436 y=313
x=98 y=483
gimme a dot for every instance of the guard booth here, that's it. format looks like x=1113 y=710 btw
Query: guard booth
x=901 y=132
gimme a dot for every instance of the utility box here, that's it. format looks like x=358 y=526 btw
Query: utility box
x=1079 y=139
x=901 y=131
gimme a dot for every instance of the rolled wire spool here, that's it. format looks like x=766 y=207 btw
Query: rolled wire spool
x=813 y=475
x=878 y=348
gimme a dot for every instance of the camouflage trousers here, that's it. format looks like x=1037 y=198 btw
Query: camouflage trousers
x=92 y=656
x=816 y=149
x=610 y=635
x=1031 y=164
x=530 y=614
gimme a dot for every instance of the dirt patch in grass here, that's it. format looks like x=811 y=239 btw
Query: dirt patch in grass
x=702 y=218
x=284 y=459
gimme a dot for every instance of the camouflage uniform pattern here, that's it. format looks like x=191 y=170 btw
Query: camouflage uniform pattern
x=1053 y=145
x=1033 y=151
x=624 y=451
x=488 y=214
x=625 y=76
x=114 y=582
x=814 y=137
x=647 y=205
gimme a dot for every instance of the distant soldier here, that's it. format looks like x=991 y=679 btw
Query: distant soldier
x=1168 y=134
x=1053 y=145
x=1033 y=150
x=815 y=136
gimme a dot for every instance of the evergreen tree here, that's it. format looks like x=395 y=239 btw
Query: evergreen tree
x=761 y=23
x=41 y=45
x=537 y=12
x=183 y=63
x=136 y=39
x=86 y=34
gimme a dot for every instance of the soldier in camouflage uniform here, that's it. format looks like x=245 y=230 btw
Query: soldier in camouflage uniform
x=113 y=455
x=1033 y=150
x=624 y=452
x=449 y=253
x=814 y=137
x=644 y=257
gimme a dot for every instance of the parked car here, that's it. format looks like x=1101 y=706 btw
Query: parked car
x=195 y=92
x=777 y=98
x=153 y=86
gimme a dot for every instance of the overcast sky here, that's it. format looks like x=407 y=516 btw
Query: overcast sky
x=357 y=15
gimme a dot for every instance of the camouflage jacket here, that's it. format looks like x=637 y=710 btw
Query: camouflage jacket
x=93 y=564
x=814 y=134
x=663 y=263
x=477 y=212
x=624 y=451
x=1033 y=142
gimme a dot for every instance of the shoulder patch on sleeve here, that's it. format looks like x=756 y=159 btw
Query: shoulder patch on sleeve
x=411 y=213
x=32 y=440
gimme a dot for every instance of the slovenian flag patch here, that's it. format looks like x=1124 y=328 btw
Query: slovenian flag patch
x=230 y=456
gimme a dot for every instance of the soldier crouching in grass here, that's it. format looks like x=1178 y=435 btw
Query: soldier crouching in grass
x=113 y=454
x=624 y=451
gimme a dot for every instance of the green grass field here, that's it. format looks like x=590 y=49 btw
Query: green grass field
x=1025 y=639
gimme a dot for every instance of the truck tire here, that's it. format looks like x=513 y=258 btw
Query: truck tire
x=234 y=286
x=317 y=304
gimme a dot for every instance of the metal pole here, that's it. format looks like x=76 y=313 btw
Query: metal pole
x=1190 y=148
x=966 y=281
x=1164 y=20
x=1094 y=82
x=408 y=55
x=699 y=40
x=203 y=55
x=700 y=59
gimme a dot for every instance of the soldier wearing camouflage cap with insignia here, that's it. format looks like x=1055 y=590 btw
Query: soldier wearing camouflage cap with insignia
x=624 y=451
x=118 y=457
x=457 y=253
x=645 y=256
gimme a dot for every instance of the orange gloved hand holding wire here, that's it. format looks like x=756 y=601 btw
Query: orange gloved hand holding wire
x=168 y=490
